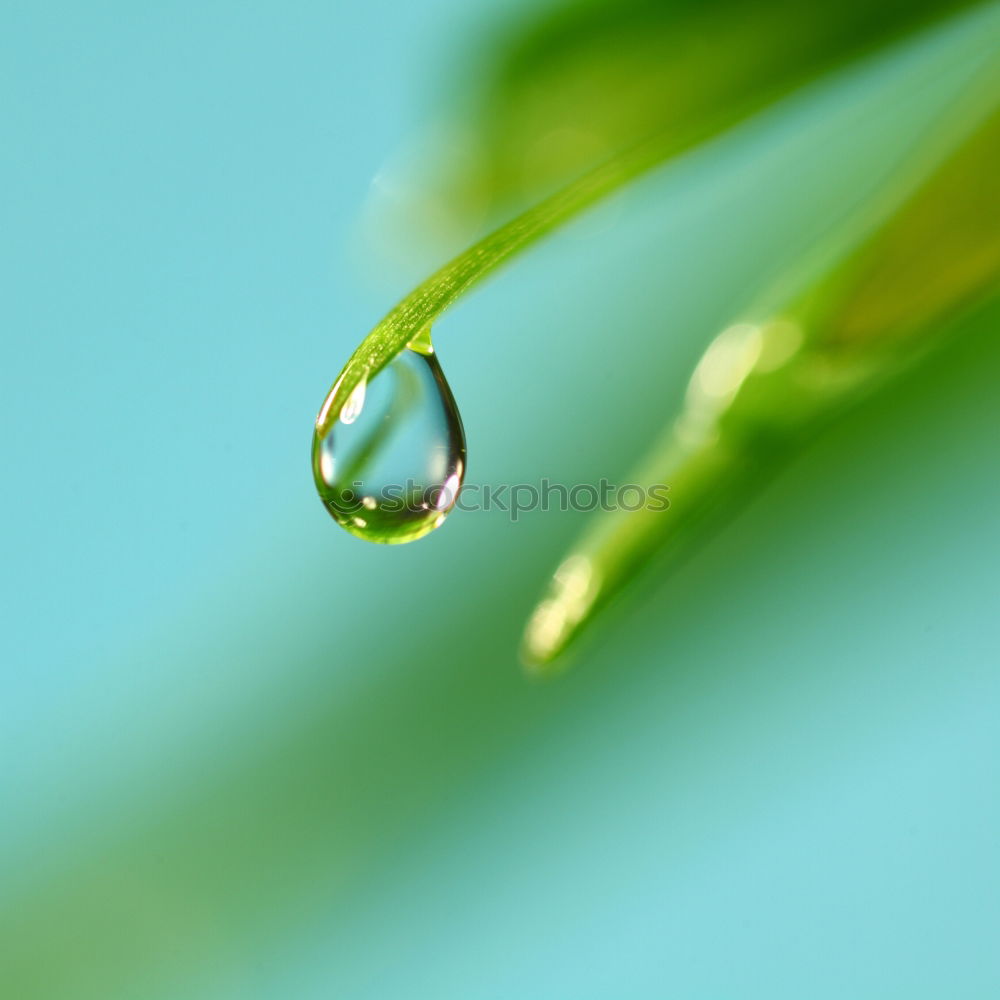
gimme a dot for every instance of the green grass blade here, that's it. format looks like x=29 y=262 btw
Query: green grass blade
x=411 y=317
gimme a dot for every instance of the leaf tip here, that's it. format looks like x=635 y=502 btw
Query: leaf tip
x=558 y=617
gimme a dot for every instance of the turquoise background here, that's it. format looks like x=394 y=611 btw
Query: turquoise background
x=245 y=755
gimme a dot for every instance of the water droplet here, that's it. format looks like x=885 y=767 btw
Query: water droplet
x=391 y=466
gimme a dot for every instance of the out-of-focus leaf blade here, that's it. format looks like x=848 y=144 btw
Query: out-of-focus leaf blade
x=768 y=383
x=590 y=78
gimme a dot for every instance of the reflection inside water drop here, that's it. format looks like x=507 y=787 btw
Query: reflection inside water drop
x=391 y=466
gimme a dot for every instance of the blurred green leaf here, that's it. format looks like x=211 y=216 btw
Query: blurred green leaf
x=766 y=384
x=573 y=86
